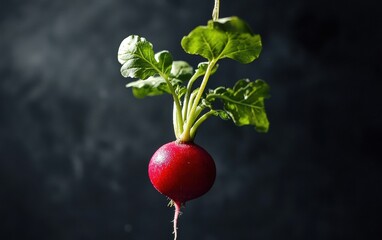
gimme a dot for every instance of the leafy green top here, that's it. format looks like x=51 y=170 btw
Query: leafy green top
x=158 y=74
x=225 y=38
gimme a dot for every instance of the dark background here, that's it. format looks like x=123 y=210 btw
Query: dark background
x=75 y=144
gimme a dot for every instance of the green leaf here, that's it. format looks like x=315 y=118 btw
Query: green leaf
x=222 y=114
x=156 y=85
x=152 y=86
x=244 y=103
x=138 y=60
x=164 y=62
x=218 y=113
x=226 y=38
x=181 y=70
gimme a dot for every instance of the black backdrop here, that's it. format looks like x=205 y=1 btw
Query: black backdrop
x=74 y=143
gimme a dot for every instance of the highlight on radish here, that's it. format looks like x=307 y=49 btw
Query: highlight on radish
x=181 y=169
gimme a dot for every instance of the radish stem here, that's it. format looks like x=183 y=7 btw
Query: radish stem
x=199 y=121
x=185 y=137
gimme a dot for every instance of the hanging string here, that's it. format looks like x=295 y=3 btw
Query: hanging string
x=215 y=12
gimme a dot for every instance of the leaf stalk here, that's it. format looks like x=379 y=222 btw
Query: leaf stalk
x=178 y=119
x=203 y=118
x=186 y=101
x=192 y=114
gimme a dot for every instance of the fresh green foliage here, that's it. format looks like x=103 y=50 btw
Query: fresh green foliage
x=157 y=74
x=244 y=103
x=225 y=38
x=181 y=70
x=152 y=86
x=138 y=60
x=157 y=85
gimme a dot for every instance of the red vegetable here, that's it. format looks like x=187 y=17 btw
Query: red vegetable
x=182 y=171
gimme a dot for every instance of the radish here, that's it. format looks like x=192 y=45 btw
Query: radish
x=182 y=170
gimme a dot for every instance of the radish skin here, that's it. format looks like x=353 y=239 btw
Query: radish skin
x=182 y=171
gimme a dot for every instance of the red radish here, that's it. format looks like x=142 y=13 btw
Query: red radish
x=181 y=171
